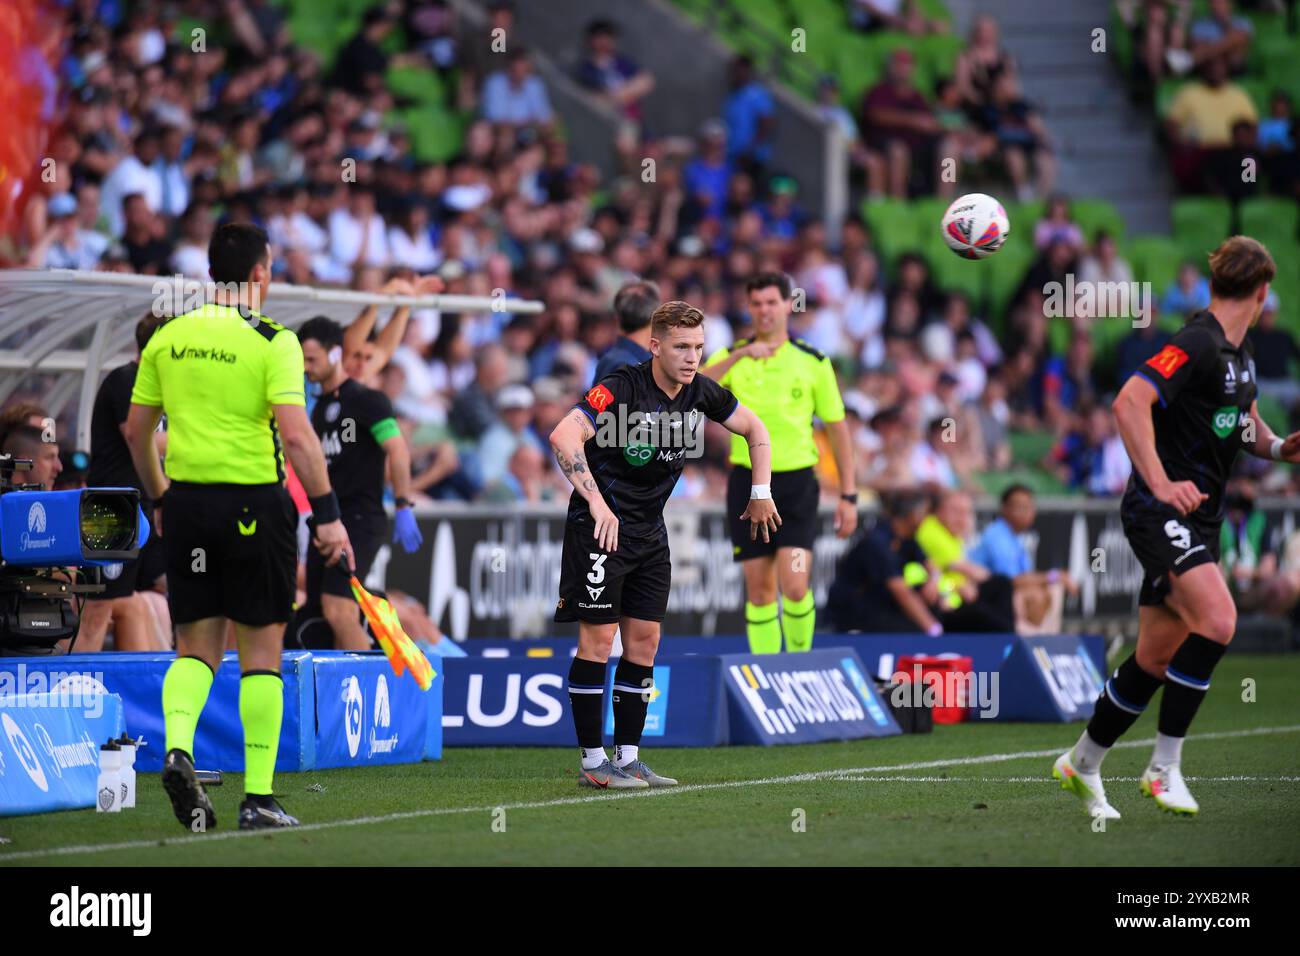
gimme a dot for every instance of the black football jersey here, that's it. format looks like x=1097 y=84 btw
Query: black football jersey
x=1206 y=388
x=643 y=439
x=352 y=422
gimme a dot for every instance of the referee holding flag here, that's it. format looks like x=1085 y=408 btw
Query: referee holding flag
x=231 y=384
x=785 y=381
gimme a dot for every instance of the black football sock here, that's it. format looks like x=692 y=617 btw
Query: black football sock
x=587 y=701
x=633 y=685
x=1122 y=701
x=1187 y=678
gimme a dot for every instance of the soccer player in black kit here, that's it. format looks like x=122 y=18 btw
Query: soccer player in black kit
x=623 y=448
x=358 y=434
x=1183 y=416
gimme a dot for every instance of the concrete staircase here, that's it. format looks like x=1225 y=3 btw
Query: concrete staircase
x=1106 y=147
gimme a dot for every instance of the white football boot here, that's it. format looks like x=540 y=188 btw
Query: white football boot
x=1170 y=791
x=1086 y=786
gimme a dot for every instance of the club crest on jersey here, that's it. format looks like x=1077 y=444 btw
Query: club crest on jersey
x=1168 y=360
x=600 y=398
x=332 y=412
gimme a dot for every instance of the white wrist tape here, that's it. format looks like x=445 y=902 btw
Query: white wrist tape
x=760 y=491
x=1276 y=450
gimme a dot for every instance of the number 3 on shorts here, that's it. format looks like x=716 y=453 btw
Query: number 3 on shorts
x=1178 y=534
x=597 y=568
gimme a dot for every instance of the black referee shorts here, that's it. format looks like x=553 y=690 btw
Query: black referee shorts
x=796 y=494
x=232 y=551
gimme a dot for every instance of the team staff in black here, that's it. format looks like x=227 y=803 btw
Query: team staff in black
x=1183 y=415
x=623 y=448
x=359 y=436
x=230 y=381
x=111 y=467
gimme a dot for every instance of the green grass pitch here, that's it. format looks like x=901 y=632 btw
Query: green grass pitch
x=972 y=794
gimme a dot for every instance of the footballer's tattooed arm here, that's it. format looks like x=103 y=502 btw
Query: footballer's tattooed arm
x=567 y=441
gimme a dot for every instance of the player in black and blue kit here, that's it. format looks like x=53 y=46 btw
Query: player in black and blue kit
x=623 y=447
x=1184 y=416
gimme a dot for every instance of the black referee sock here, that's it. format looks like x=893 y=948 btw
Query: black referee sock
x=587 y=701
x=1187 y=678
x=1122 y=701
x=633 y=685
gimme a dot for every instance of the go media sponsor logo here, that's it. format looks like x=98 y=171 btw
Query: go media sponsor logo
x=782 y=698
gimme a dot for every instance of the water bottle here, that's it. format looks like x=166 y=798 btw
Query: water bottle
x=108 y=792
x=127 y=789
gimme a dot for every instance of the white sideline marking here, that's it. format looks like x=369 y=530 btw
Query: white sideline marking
x=602 y=797
x=1238 y=778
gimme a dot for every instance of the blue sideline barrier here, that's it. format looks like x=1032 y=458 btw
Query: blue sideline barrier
x=49 y=757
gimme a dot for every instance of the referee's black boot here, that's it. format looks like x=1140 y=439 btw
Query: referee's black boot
x=190 y=801
x=260 y=813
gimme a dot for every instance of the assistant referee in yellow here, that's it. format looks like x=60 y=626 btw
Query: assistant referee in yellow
x=785 y=381
x=230 y=382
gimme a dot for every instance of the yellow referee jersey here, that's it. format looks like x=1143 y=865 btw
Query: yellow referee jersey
x=216 y=372
x=785 y=392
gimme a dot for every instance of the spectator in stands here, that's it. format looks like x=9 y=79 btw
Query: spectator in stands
x=516 y=96
x=508 y=434
x=891 y=467
x=971 y=144
x=633 y=306
x=1222 y=171
x=1038 y=596
x=899 y=123
x=1277 y=139
x=1022 y=137
x=994 y=416
x=1276 y=355
x=362 y=63
x=1067 y=382
x=750 y=114
x=190 y=257
x=1200 y=121
x=357 y=236
x=1091 y=458
x=1162 y=39
x=970 y=597
x=930 y=462
x=145 y=237
x=832 y=111
x=134 y=174
x=1221 y=35
x=1057 y=225
x=25 y=440
x=1104 y=264
x=1189 y=293
x=480 y=51
x=982 y=63
x=903 y=16
x=1146 y=339
x=474 y=410
x=64 y=245
x=613 y=76
x=873 y=590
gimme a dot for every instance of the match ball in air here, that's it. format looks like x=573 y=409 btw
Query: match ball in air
x=975 y=226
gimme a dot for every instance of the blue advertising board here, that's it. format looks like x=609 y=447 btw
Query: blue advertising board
x=366 y=715
x=1050 y=679
x=523 y=701
x=802 y=698
x=49 y=751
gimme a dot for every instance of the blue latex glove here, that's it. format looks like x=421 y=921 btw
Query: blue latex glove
x=407 y=531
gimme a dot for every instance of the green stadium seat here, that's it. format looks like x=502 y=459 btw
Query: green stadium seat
x=938 y=54
x=1154 y=259
x=1200 y=223
x=436 y=134
x=894 y=228
x=1030 y=448
x=416 y=83
x=1094 y=214
x=1269 y=217
x=770 y=15
x=952 y=273
x=1006 y=271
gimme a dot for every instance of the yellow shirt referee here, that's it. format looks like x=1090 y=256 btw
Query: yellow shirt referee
x=786 y=382
x=231 y=384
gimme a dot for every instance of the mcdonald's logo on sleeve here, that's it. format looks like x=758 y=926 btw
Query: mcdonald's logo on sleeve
x=600 y=397
x=1168 y=360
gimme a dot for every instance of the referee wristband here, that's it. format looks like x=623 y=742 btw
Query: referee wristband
x=325 y=508
x=760 y=491
x=1276 y=450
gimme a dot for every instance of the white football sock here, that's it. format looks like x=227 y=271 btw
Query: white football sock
x=1088 y=755
x=624 y=754
x=593 y=757
x=1169 y=750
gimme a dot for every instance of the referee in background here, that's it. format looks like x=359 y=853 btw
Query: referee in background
x=785 y=382
x=231 y=384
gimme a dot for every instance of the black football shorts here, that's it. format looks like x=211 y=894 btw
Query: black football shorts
x=1166 y=542
x=599 y=586
x=796 y=494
